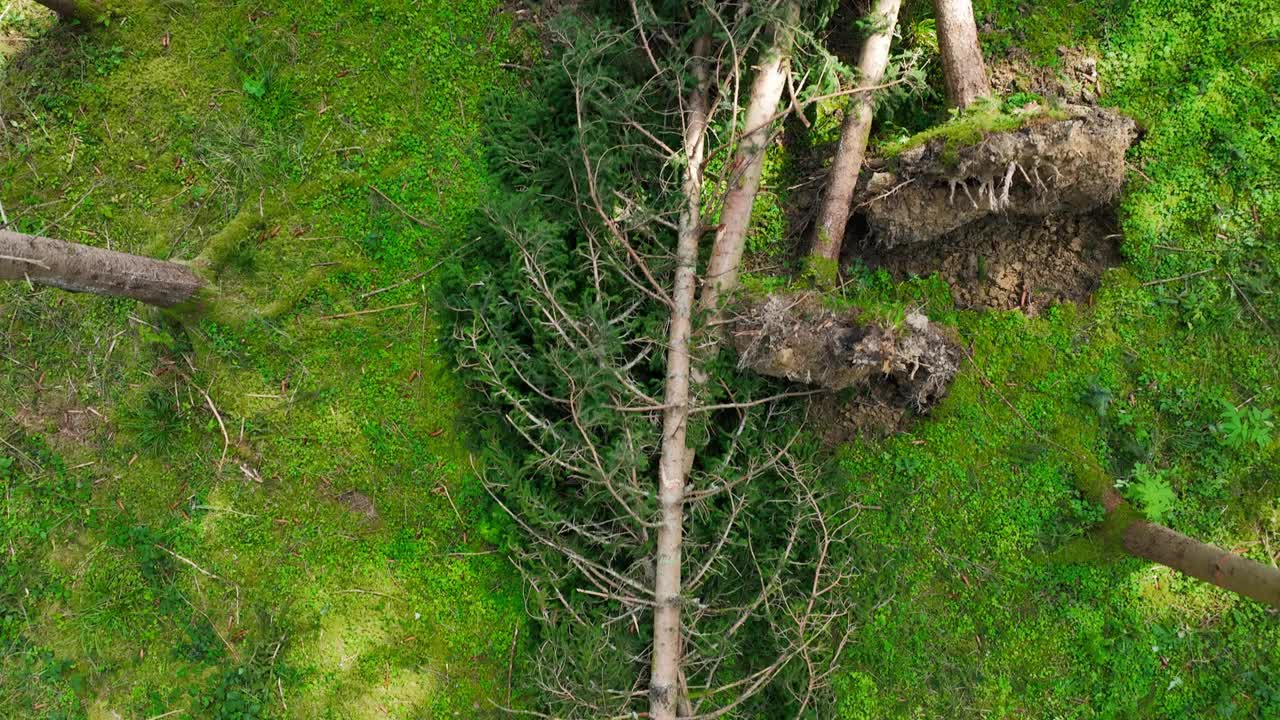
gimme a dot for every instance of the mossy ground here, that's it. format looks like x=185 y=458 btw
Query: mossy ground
x=150 y=565
x=145 y=572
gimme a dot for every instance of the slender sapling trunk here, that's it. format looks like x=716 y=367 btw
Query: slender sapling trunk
x=664 y=686
x=1125 y=529
x=833 y=216
x=1203 y=561
x=747 y=164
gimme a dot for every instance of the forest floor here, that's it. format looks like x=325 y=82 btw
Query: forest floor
x=279 y=518
x=325 y=558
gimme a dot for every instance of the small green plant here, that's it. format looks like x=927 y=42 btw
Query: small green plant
x=1019 y=100
x=254 y=86
x=155 y=420
x=1240 y=427
x=1151 y=490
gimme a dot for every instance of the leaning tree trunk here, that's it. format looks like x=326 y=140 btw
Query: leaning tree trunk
x=664 y=677
x=748 y=163
x=86 y=11
x=833 y=216
x=963 y=68
x=1201 y=560
x=79 y=268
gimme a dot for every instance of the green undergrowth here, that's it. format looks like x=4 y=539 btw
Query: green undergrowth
x=988 y=590
x=271 y=515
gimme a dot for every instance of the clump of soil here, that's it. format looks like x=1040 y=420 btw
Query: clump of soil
x=874 y=412
x=796 y=337
x=1006 y=263
x=1071 y=165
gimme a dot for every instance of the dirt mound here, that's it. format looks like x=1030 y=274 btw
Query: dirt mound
x=1006 y=263
x=1062 y=166
x=796 y=337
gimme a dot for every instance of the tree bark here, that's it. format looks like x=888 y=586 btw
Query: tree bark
x=833 y=216
x=79 y=268
x=664 y=677
x=86 y=11
x=1201 y=560
x=963 y=68
x=748 y=163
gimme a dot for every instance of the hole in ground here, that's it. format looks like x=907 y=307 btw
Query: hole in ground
x=1007 y=262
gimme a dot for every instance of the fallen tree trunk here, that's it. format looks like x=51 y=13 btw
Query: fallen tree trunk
x=664 y=678
x=1203 y=561
x=833 y=216
x=86 y=11
x=79 y=268
x=748 y=163
x=963 y=69
x=1125 y=530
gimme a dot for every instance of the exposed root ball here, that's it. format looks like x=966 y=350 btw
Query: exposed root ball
x=794 y=336
x=1063 y=167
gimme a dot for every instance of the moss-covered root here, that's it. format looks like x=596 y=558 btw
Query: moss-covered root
x=211 y=304
x=292 y=295
x=223 y=246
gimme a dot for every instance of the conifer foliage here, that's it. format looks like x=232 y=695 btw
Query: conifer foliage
x=564 y=328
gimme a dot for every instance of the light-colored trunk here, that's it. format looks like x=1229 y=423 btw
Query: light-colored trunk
x=963 y=68
x=833 y=216
x=85 y=11
x=79 y=268
x=664 y=686
x=747 y=164
x=1201 y=560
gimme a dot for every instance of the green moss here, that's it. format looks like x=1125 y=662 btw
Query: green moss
x=981 y=119
x=168 y=153
x=823 y=273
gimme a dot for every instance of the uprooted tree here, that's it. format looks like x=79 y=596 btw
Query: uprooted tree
x=685 y=552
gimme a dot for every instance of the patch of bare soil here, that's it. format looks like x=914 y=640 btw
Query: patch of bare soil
x=872 y=413
x=1074 y=79
x=61 y=417
x=360 y=505
x=1004 y=262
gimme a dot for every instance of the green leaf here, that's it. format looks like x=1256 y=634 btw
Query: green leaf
x=254 y=86
x=1153 y=493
